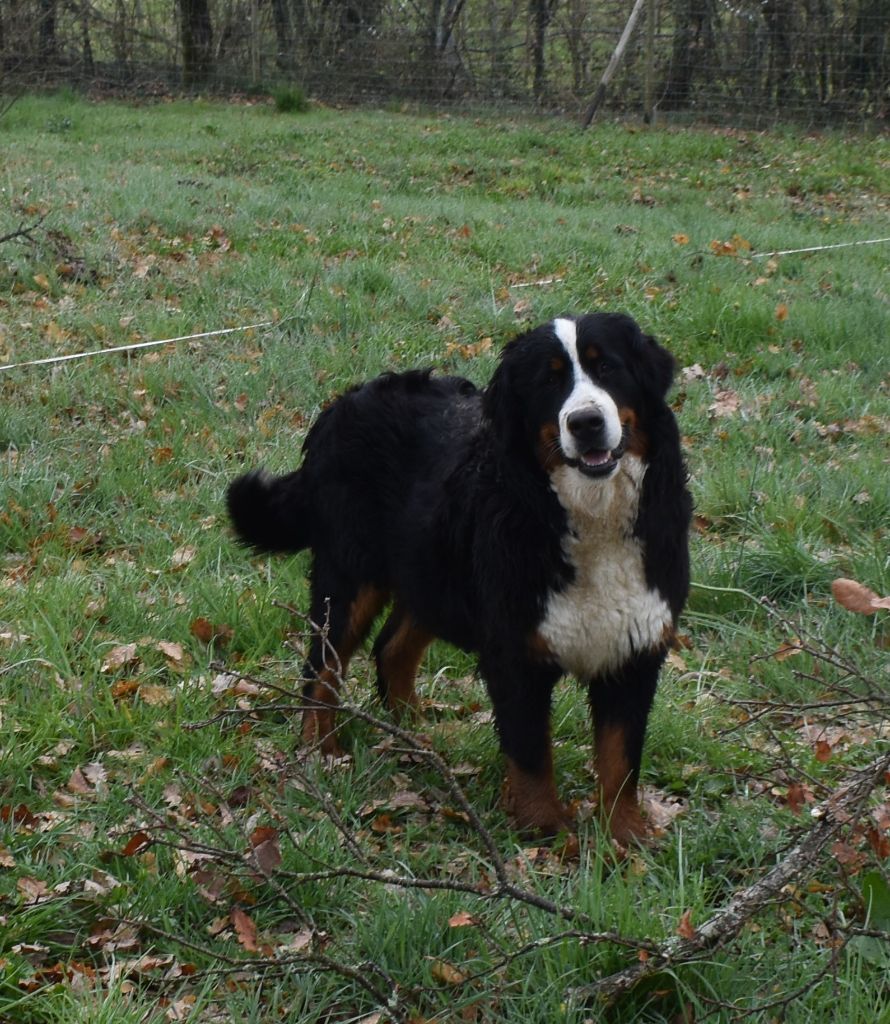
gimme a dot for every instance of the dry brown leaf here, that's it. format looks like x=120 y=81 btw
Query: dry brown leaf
x=156 y=696
x=136 y=844
x=856 y=597
x=245 y=929
x=208 y=632
x=266 y=849
x=32 y=889
x=120 y=656
x=726 y=403
x=462 y=919
x=171 y=650
x=182 y=556
x=686 y=929
x=77 y=783
x=447 y=974
x=789 y=650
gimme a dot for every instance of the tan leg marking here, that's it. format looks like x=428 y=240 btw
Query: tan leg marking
x=533 y=801
x=619 y=805
x=398 y=663
x=319 y=724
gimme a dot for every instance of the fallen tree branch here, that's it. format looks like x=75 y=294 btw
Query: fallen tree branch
x=830 y=816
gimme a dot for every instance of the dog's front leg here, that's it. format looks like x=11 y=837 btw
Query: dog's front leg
x=522 y=716
x=620 y=704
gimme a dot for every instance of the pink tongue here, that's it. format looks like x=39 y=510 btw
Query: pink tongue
x=595 y=458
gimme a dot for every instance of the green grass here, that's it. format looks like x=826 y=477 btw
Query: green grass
x=381 y=241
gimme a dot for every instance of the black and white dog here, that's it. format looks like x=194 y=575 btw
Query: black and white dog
x=541 y=522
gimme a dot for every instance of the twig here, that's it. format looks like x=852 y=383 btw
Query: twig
x=23 y=231
x=830 y=817
x=505 y=889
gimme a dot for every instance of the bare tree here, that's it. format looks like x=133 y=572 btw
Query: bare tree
x=197 y=42
x=47 y=31
x=693 y=34
x=542 y=12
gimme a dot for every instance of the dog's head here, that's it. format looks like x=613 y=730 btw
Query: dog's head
x=578 y=392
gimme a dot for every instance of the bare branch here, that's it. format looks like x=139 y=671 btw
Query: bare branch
x=23 y=230
x=831 y=816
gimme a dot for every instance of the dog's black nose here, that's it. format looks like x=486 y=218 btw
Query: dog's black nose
x=586 y=424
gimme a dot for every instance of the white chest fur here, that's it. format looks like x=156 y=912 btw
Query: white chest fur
x=607 y=612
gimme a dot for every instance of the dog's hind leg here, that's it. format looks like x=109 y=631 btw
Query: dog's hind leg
x=398 y=651
x=342 y=620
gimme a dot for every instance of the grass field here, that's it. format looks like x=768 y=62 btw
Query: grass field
x=165 y=854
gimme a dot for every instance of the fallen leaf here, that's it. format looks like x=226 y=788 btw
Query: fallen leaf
x=298 y=941
x=207 y=632
x=155 y=696
x=245 y=929
x=681 y=239
x=171 y=650
x=856 y=597
x=781 y=311
x=789 y=650
x=31 y=888
x=118 y=657
x=124 y=688
x=447 y=974
x=182 y=556
x=266 y=850
x=77 y=783
x=686 y=929
x=136 y=844
x=822 y=751
x=726 y=403
x=462 y=919
x=797 y=795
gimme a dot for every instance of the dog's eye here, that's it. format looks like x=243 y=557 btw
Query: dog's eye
x=555 y=372
x=603 y=367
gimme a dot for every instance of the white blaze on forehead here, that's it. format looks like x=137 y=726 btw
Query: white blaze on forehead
x=585 y=395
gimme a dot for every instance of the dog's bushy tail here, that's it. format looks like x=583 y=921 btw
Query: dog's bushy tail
x=270 y=513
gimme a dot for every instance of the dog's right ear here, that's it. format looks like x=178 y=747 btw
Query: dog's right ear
x=499 y=405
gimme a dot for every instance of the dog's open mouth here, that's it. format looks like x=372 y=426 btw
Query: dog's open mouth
x=598 y=461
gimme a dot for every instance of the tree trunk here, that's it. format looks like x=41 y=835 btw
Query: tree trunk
x=778 y=17
x=47 y=31
x=442 y=60
x=283 y=39
x=868 y=62
x=197 y=42
x=542 y=14
x=691 y=30
x=86 y=46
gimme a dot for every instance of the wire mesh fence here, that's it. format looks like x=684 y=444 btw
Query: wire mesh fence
x=737 y=61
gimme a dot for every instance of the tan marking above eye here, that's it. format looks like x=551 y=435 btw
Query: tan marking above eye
x=557 y=364
x=591 y=353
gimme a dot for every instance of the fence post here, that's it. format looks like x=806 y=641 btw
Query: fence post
x=254 y=42
x=649 y=65
x=612 y=66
